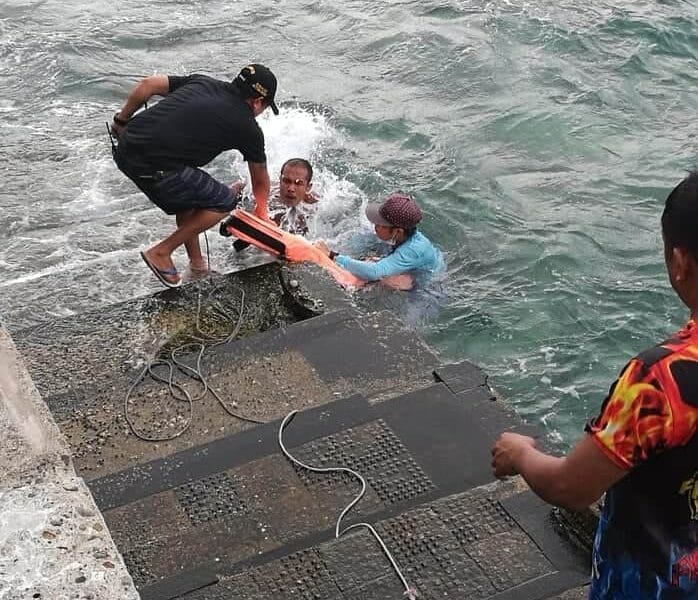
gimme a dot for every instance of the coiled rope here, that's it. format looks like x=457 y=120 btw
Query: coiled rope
x=202 y=341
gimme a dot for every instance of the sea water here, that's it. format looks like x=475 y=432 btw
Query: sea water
x=540 y=138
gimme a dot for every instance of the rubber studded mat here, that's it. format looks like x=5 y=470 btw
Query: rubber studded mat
x=235 y=519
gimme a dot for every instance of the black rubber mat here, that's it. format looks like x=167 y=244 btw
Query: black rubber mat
x=219 y=513
x=238 y=511
x=203 y=461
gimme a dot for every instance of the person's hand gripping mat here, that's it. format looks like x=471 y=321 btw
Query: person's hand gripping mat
x=272 y=239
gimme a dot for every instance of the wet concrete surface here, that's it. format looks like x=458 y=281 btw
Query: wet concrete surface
x=54 y=542
x=219 y=512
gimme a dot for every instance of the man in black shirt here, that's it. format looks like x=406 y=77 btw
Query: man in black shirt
x=162 y=148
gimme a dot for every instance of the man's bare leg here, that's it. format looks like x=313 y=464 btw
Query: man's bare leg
x=196 y=259
x=160 y=255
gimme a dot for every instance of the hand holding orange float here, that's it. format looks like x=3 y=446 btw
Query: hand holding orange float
x=267 y=236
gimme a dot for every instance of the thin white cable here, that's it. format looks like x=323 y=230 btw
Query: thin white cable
x=410 y=592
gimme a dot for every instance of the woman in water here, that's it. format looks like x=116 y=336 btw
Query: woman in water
x=413 y=259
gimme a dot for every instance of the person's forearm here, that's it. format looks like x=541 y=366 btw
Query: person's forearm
x=261 y=196
x=361 y=268
x=373 y=270
x=545 y=476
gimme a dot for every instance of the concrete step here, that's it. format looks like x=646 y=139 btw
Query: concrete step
x=220 y=512
x=235 y=519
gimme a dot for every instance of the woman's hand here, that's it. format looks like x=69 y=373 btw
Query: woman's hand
x=322 y=245
x=403 y=282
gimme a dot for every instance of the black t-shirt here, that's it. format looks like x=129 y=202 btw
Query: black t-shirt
x=200 y=118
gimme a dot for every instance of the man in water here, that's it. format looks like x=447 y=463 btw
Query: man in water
x=290 y=208
x=162 y=148
x=413 y=257
x=642 y=448
x=290 y=201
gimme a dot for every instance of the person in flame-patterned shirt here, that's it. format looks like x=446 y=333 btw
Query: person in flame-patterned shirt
x=641 y=449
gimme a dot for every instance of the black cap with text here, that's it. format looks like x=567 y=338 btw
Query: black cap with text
x=261 y=81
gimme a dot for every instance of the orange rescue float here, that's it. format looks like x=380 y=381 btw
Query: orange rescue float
x=272 y=239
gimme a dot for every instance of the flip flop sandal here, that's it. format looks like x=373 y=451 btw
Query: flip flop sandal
x=162 y=274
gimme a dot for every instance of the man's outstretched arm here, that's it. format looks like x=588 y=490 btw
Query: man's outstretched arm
x=574 y=481
x=260 y=188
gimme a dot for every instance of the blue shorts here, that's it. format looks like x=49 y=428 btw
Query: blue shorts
x=179 y=191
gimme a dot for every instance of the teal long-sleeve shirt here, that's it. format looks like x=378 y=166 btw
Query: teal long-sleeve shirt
x=416 y=255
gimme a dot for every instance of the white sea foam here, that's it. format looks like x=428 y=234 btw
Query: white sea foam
x=67 y=266
x=300 y=133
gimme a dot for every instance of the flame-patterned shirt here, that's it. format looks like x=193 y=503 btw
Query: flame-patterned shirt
x=646 y=544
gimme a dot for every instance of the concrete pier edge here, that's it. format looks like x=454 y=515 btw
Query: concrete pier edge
x=54 y=540
x=54 y=543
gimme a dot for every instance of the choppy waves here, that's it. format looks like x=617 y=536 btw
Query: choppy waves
x=541 y=140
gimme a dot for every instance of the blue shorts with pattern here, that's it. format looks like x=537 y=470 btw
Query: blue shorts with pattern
x=188 y=188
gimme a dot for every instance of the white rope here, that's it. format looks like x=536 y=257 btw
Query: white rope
x=410 y=592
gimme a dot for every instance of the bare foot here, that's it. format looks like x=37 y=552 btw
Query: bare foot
x=199 y=267
x=199 y=272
